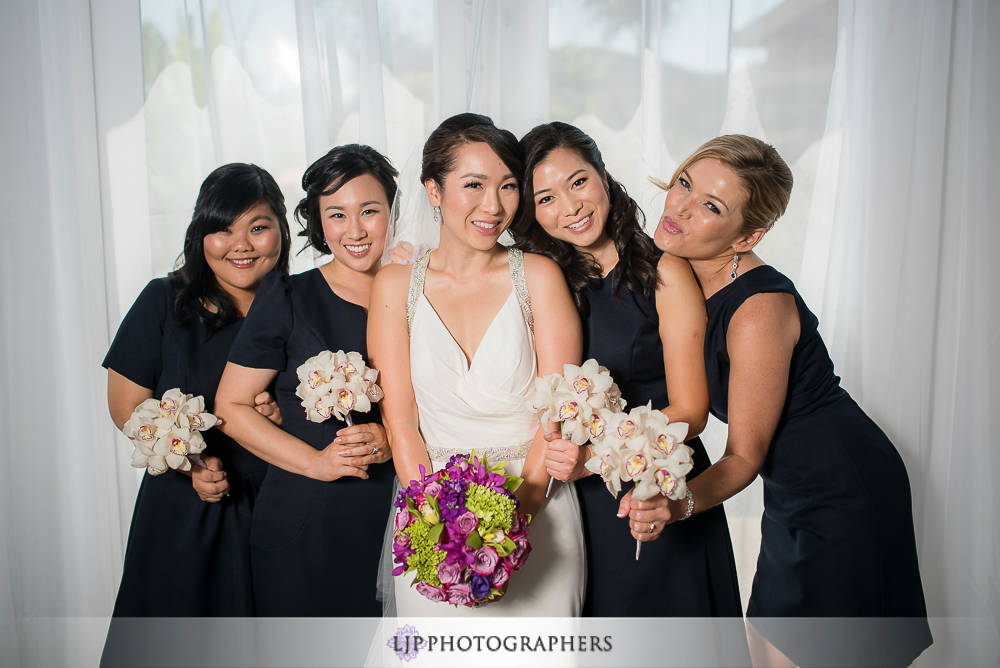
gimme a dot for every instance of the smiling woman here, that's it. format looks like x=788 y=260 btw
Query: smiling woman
x=327 y=482
x=178 y=334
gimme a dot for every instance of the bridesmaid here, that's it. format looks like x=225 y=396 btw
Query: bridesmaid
x=837 y=536
x=643 y=318
x=324 y=504
x=178 y=334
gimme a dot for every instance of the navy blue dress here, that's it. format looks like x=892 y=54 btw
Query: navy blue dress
x=693 y=560
x=185 y=557
x=837 y=536
x=315 y=546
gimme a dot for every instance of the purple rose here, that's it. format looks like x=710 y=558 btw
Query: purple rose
x=480 y=586
x=433 y=489
x=403 y=519
x=449 y=573
x=467 y=522
x=518 y=524
x=500 y=576
x=460 y=594
x=431 y=592
x=486 y=560
x=521 y=549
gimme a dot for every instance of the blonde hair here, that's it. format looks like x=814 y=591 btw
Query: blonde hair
x=764 y=176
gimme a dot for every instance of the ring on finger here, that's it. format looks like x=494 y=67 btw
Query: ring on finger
x=374 y=448
x=652 y=527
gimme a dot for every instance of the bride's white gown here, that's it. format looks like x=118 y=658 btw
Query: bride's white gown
x=481 y=405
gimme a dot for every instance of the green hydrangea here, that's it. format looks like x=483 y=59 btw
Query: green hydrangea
x=425 y=559
x=492 y=508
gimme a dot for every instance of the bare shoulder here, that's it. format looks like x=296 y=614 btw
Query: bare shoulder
x=768 y=319
x=392 y=278
x=675 y=271
x=542 y=270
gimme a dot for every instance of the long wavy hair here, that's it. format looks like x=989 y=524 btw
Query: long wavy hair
x=227 y=193
x=637 y=256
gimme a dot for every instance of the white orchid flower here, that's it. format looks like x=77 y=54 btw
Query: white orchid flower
x=373 y=391
x=588 y=379
x=606 y=463
x=172 y=401
x=541 y=401
x=614 y=398
x=350 y=364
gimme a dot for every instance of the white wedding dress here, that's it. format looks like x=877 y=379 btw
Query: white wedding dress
x=480 y=405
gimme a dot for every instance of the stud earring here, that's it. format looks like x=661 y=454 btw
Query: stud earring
x=736 y=264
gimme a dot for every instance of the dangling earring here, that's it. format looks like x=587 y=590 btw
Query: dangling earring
x=437 y=214
x=736 y=264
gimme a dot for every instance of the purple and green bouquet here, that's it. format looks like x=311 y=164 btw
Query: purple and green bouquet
x=460 y=530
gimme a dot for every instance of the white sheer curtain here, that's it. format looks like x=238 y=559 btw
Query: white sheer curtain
x=114 y=111
x=897 y=267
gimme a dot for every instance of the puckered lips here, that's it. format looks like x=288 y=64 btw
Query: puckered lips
x=670 y=226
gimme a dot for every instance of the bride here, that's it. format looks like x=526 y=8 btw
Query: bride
x=459 y=337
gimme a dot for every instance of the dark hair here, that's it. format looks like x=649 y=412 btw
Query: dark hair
x=441 y=147
x=763 y=173
x=226 y=194
x=328 y=174
x=637 y=256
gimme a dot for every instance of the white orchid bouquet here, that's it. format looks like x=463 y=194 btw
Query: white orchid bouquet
x=642 y=446
x=336 y=384
x=575 y=398
x=166 y=432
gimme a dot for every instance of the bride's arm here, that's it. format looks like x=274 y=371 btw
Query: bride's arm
x=558 y=341
x=389 y=352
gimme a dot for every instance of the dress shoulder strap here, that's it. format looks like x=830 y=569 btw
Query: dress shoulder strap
x=416 y=288
x=516 y=260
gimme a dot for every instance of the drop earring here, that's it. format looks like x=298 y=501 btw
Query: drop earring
x=437 y=214
x=736 y=264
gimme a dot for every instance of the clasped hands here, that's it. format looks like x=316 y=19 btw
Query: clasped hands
x=564 y=460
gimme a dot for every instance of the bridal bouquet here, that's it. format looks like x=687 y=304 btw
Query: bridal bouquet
x=336 y=384
x=460 y=530
x=575 y=399
x=166 y=432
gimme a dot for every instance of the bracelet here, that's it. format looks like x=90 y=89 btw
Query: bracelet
x=690 y=508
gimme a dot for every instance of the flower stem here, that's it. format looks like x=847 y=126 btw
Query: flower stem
x=348 y=420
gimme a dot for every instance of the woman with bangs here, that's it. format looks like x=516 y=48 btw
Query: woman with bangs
x=178 y=334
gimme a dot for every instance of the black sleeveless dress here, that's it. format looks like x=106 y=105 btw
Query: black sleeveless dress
x=315 y=546
x=837 y=536
x=185 y=557
x=693 y=560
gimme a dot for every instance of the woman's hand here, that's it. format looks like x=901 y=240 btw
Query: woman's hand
x=209 y=480
x=565 y=460
x=647 y=518
x=267 y=406
x=364 y=444
x=401 y=253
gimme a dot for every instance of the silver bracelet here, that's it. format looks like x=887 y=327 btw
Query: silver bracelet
x=690 y=509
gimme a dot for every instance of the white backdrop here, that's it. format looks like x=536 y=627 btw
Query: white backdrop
x=115 y=111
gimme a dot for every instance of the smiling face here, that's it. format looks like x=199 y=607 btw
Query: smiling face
x=571 y=199
x=355 y=219
x=243 y=253
x=702 y=213
x=479 y=197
